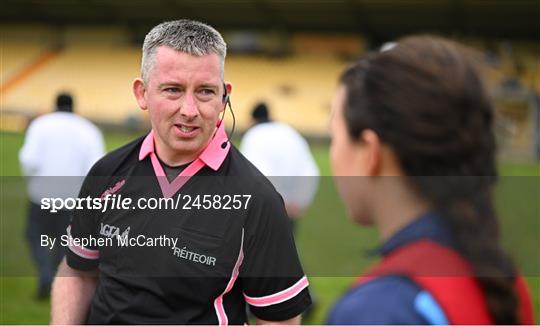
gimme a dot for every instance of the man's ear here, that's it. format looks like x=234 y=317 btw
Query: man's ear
x=226 y=95
x=373 y=152
x=139 y=90
x=228 y=87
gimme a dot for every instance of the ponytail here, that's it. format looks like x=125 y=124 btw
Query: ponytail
x=472 y=221
x=424 y=98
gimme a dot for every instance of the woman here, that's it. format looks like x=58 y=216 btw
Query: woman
x=416 y=123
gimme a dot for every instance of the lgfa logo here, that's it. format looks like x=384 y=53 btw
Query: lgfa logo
x=111 y=231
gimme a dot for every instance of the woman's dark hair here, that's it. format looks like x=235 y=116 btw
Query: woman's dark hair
x=424 y=98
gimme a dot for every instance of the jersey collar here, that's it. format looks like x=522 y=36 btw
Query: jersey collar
x=430 y=225
x=213 y=155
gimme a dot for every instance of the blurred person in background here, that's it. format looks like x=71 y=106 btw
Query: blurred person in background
x=415 y=125
x=283 y=155
x=59 y=149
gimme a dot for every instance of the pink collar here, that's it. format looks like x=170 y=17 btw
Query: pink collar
x=213 y=156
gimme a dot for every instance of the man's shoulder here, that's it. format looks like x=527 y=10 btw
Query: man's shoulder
x=274 y=134
x=43 y=121
x=69 y=121
x=83 y=122
x=264 y=129
x=112 y=162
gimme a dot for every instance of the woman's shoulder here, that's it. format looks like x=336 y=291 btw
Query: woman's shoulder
x=387 y=300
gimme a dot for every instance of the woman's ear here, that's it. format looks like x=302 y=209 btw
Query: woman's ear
x=372 y=155
x=379 y=159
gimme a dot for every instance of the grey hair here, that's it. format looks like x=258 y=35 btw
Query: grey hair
x=183 y=35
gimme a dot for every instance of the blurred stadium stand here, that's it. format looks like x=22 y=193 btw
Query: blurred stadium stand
x=288 y=53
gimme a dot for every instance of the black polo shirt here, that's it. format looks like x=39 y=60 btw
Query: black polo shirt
x=224 y=255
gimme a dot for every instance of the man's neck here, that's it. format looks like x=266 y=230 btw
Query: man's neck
x=176 y=159
x=171 y=157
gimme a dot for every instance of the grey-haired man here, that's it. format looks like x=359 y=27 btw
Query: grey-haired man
x=221 y=259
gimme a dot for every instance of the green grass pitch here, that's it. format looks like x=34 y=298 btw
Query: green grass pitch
x=330 y=264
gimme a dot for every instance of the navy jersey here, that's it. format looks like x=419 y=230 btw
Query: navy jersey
x=394 y=299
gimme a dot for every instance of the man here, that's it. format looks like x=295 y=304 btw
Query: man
x=56 y=144
x=278 y=150
x=223 y=255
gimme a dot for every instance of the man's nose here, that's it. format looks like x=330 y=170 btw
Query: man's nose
x=188 y=107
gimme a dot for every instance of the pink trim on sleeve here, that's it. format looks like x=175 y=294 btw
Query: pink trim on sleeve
x=278 y=297
x=80 y=250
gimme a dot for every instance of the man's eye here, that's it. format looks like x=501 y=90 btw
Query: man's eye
x=172 y=89
x=207 y=91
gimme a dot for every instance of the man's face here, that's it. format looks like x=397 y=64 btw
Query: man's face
x=183 y=95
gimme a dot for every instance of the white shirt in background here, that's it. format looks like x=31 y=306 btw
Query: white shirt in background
x=59 y=144
x=283 y=155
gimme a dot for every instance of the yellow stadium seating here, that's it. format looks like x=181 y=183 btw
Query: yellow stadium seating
x=98 y=65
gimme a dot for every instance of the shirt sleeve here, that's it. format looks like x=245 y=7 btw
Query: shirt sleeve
x=83 y=225
x=390 y=300
x=273 y=281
